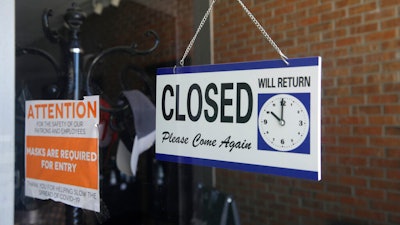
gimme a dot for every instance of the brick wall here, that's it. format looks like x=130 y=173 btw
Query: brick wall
x=359 y=41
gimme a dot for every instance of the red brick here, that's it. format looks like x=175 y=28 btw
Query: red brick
x=350 y=100
x=322 y=7
x=336 y=110
x=353 y=181
x=385 y=206
x=369 y=172
x=364 y=28
x=336 y=52
x=395 y=219
x=353 y=161
x=382 y=77
x=287 y=9
x=309 y=21
x=385 y=141
x=333 y=15
x=393 y=196
x=326 y=196
x=335 y=130
x=338 y=72
x=384 y=163
x=339 y=150
x=350 y=61
x=385 y=184
x=369 y=68
x=381 y=56
x=391 y=66
x=363 y=8
x=342 y=90
x=369 y=151
x=393 y=153
x=353 y=140
x=328 y=120
x=370 y=215
x=392 y=87
x=367 y=130
x=366 y=89
x=352 y=120
x=382 y=120
x=306 y=3
x=366 y=49
x=391 y=109
x=389 y=3
x=390 y=44
x=380 y=14
x=348 y=41
x=393 y=174
x=339 y=189
x=300 y=211
x=368 y=109
x=382 y=35
x=348 y=21
x=383 y=99
x=392 y=130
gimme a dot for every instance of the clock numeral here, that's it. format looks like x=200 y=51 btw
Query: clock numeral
x=283 y=141
x=265 y=122
x=301 y=123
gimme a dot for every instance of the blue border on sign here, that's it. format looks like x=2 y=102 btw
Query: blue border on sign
x=297 y=62
x=311 y=175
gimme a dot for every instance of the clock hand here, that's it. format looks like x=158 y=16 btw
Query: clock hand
x=283 y=103
x=281 y=122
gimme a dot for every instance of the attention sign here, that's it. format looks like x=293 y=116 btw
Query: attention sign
x=254 y=116
x=61 y=151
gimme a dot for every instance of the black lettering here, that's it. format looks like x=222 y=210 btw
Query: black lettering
x=246 y=117
x=167 y=136
x=211 y=103
x=225 y=102
x=307 y=81
x=178 y=116
x=262 y=82
x=171 y=112
x=198 y=140
x=189 y=105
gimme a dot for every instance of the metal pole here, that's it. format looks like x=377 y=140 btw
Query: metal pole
x=74 y=19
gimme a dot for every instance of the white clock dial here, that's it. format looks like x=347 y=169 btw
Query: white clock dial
x=283 y=122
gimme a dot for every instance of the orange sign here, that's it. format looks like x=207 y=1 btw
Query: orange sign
x=63 y=160
x=61 y=151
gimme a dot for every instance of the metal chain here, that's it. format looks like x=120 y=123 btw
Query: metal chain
x=182 y=61
x=255 y=21
x=266 y=35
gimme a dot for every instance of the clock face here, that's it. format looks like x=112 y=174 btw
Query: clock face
x=283 y=122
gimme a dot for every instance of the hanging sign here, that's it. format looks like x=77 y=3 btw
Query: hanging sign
x=254 y=116
x=61 y=151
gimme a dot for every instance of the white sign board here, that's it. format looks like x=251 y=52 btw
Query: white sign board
x=62 y=151
x=260 y=116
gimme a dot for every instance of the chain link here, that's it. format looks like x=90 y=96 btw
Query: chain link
x=255 y=21
x=263 y=32
x=182 y=61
